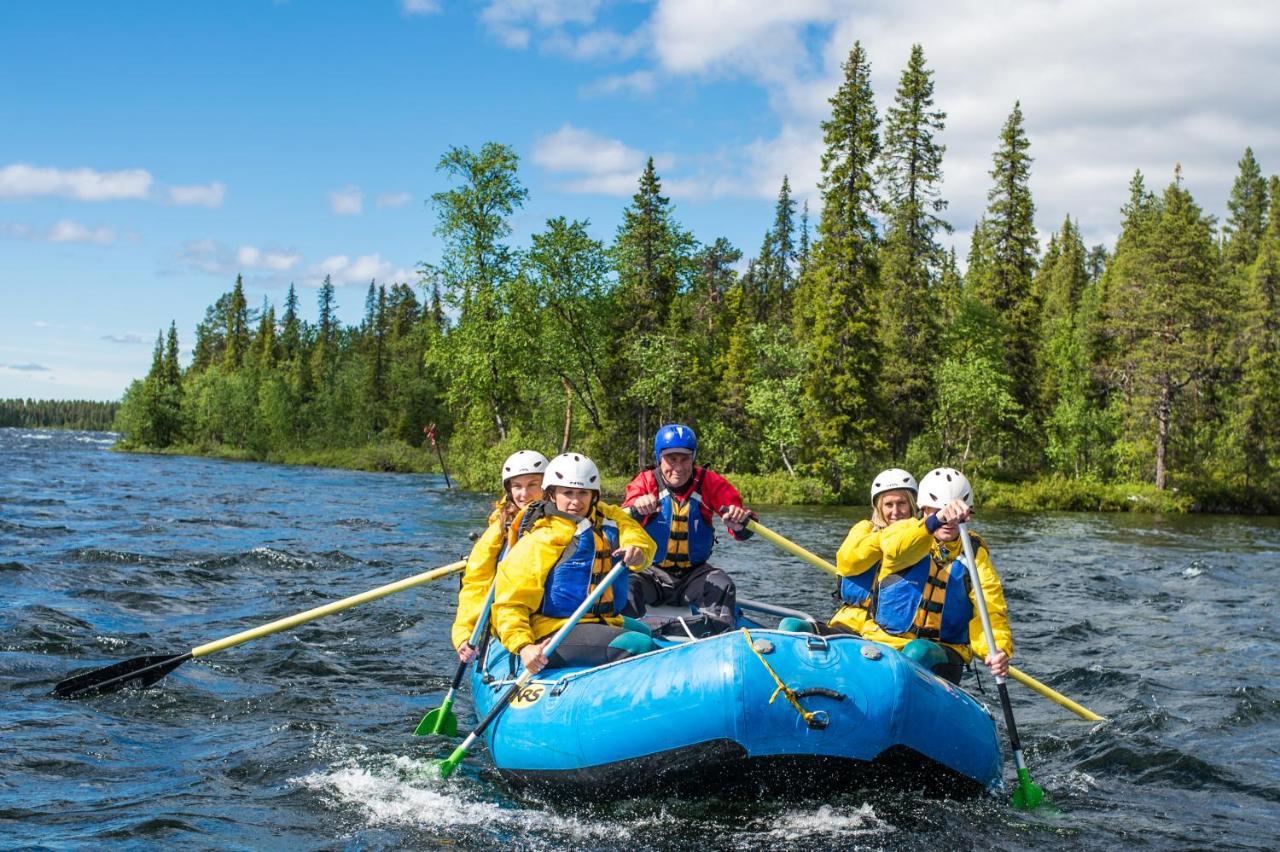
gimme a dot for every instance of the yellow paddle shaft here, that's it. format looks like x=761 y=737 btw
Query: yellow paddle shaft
x=1020 y=676
x=1057 y=697
x=328 y=609
x=791 y=547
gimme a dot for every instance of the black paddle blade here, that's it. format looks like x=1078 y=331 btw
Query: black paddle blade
x=143 y=671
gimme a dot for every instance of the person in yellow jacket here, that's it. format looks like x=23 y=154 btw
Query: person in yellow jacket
x=550 y=571
x=893 y=498
x=923 y=603
x=522 y=474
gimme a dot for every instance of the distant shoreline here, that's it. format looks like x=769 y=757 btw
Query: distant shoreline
x=777 y=489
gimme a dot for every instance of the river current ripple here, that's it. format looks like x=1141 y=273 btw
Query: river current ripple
x=1168 y=626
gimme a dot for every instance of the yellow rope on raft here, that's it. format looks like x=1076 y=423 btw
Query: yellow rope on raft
x=787 y=691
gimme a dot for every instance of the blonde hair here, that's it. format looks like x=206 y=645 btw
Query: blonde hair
x=877 y=519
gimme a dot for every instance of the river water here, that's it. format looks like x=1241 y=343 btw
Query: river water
x=1167 y=625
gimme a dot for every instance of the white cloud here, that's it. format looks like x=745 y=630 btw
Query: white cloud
x=21 y=180
x=394 y=199
x=344 y=270
x=761 y=40
x=214 y=258
x=62 y=231
x=251 y=257
x=514 y=22
x=348 y=201
x=1105 y=88
x=130 y=339
x=637 y=82
x=592 y=164
x=419 y=7
x=67 y=231
x=199 y=195
x=17 y=230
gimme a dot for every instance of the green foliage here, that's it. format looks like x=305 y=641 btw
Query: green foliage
x=1168 y=313
x=57 y=414
x=804 y=368
x=1003 y=278
x=1259 y=409
x=841 y=384
x=1246 y=219
x=912 y=259
x=1063 y=494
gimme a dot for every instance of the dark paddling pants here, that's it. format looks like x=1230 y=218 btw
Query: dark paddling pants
x=706 y=587
x=952 y=669
x=589 y=645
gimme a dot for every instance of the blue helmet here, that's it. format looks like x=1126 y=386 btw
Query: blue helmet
x=674 y=436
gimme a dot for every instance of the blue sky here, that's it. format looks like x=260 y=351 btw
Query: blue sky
x=150 y=151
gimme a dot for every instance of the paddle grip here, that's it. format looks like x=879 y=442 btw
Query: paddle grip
x=1014 y=742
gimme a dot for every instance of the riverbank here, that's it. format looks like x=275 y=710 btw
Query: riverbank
x=1054 y=493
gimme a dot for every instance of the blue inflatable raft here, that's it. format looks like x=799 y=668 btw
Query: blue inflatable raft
x=752 y=707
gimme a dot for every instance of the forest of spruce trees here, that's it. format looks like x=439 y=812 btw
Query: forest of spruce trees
x=57 y=413
x=835 y=351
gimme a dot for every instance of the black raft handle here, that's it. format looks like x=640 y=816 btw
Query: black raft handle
x=822 y=692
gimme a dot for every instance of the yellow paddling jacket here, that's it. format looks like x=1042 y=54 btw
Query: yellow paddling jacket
x=518 y=616
x=856 y=561
x=482 y=567
x=922 y=592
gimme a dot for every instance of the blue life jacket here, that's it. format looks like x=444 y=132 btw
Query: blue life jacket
x=900 y=607
x=684 y=539
x=856 y=591
x=583 y=564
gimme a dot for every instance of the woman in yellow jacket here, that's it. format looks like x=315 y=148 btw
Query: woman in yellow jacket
x=570 y=547
x=893 y=498
x=522 y=474
x=923 y=603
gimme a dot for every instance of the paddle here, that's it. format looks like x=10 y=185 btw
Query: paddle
x=145 y=671
x=430 y=432
x=1028 y=795
x=441 y=720
x=449 y=764
x=1021 y=677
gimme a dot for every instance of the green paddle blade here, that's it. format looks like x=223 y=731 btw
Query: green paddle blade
x=1028 y=796
x=450 y=763
x=438 y=721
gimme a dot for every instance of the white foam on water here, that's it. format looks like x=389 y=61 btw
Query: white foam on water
x=87 y=440
x=1075 y=781
x=827 y=820
x=1193 y=571
x=403 y=791
x=396 y=791
x=36 y=437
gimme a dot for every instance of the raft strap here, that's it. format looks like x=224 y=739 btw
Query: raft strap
x=813 y=720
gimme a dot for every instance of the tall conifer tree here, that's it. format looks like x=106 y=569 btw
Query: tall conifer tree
x=843 y=366
x=1246 y=216
x=653 y=258
x=911 y=172
x=1168 y=310
x=1005 y=284
x=1260 y=385
x=236 y=323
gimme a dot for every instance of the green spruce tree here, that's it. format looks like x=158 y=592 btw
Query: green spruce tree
x=911 y=260
x=842 y=401
x=1009 y=234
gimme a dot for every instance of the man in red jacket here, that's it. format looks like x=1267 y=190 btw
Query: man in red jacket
x=676 y=502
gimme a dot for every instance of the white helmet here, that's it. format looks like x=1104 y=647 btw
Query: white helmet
x=572 y=470
x=521 y=462
x=891 y=480
x=942 y=485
